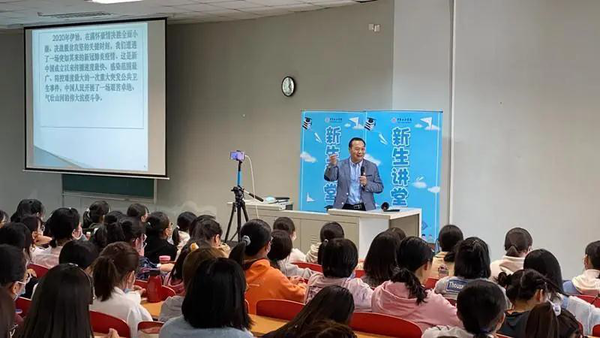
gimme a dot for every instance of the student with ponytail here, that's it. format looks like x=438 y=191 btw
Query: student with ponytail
x=587 y=283
x=131 y=231
x=114 y=276
x=159 y=230
x=28 y=207
x=443 y=262
x=339 y=259
x=544 y=262
x=527 y=289
x=406 y=297
x=517 y=244
x=264 y=281
x=93 y=217
x=64 y=225
x=472 y=262
x=480 y=307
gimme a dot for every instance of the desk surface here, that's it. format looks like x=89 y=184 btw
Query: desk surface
x=261 y=325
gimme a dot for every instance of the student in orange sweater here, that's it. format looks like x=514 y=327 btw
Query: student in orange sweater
x=264 y=281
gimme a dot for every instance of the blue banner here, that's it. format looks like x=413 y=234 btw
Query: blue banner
x=405 y=145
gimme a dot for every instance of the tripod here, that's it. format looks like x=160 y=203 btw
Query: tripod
x=238 y=206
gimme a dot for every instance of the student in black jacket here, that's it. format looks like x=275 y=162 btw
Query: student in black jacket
x=158 y=230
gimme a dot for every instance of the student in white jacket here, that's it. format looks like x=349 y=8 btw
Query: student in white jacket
x=114 y=277
x=544 y=262
x=587 y=283
x=279 y=255
x=480 y=307
x=517 y=244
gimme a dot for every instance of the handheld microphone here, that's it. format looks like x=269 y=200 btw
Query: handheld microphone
x=363 y=171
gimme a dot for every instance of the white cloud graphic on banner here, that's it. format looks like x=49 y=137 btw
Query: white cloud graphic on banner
x=418 y=126
x=307 y=157
x=370 y=158
x=434 y=190
x=419 y=184
x=308 y=198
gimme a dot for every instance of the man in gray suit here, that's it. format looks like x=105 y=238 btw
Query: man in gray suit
x=358 y=179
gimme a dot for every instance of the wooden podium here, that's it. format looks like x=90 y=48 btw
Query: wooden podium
x=360 y=227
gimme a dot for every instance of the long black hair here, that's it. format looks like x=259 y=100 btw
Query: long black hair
x=7 y=314
x=60 y=305
x=62 y=223
x=255 y=234
x=28 y=207
x=281 y=247
x=412 y=254
x=523 y=284
x=17 y=235
x=449 y=237
x=472 y=259
x=480 y=306
x=219 y=285
x=544 y=262
x=332 y=303
x=380 y=264
x=339 y=257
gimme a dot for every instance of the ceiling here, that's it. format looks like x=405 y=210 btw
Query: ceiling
x=22 y=13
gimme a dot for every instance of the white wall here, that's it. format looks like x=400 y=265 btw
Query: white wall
x=14 y=183
x=224 y=94
x=422 y=66
x=527 y=98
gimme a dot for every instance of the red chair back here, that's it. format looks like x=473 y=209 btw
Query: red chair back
x=501 y=336
x=141 y=283
x=430 y=283
x=359 y=273
x=166 y=292
x=384 y=325
x=24 y=305
x=591 y=299
x=102 y=323
x=451 y=301
x=40 y=271
x=596 y=331
x=312 y=266
x=278 y=308
x=150 y=327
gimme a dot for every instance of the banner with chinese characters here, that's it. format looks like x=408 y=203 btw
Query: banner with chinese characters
x=405 y=145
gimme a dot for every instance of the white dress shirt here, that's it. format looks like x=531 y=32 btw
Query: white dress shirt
x=126 y=306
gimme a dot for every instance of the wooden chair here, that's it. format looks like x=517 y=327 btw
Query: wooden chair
x=312 y=266
x=40 y=271
x=278 y=308
x=384 y=325
x=102 y=323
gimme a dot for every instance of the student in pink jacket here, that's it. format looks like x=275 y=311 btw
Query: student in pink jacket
x=339 y=259
x=405 y=297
